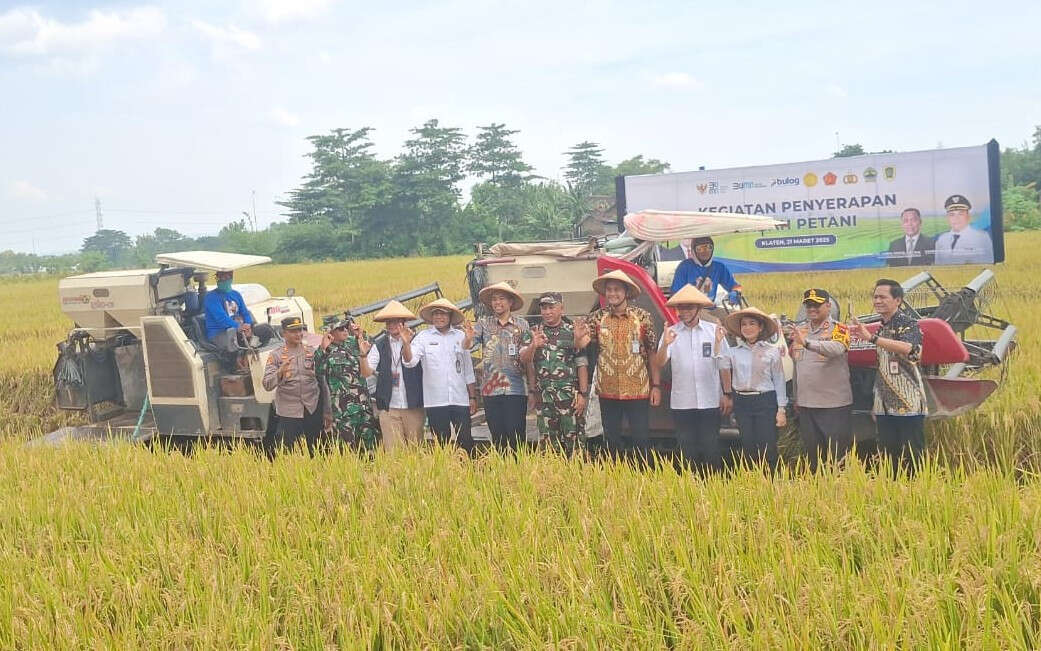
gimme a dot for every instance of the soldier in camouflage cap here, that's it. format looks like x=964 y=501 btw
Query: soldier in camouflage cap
x=561 y=388
x=341 y=365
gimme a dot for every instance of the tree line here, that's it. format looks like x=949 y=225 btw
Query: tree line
x=354 y=204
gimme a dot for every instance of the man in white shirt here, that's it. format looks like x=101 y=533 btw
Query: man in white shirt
x=963 y=244
x=399 y=389
x=697 y=400
x=449 y=389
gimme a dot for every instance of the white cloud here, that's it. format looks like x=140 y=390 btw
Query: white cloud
x=277 y=11
x=27 y=32
x=283 y=117
x=677 y=80
x=837 y=91
x=21 y=189
x=230 y=36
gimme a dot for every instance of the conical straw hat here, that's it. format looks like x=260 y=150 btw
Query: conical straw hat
x=632 y=289
x=444 y=304
x=690 y=295
x=393 y=310
x=516 y=300
x=732 y=322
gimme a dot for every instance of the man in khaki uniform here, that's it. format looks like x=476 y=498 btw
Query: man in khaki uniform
x=823 y=394
x=290 y=374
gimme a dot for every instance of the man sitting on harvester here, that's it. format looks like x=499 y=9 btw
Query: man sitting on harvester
x=706 y=274
x=227 y=316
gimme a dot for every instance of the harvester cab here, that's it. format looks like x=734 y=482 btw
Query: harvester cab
x=139 y=348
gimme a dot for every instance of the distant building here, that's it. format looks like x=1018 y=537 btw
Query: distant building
x=601 y=218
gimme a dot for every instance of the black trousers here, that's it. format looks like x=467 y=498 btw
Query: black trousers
x=290 y=431
x=903 y=439
x=756 y=417
x=448 y=419
x=506 y=417
x=697 y=437
x=637 y=414
x=825 y=433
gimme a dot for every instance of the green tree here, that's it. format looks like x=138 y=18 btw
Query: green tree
x=1022 y=166
x=1021 y=207
x=346 y=183
x=162 y=240
x=849 y=150
x=114 y=245
x=494 y=156
x=637 y=165
x=585 y=170
x=425 y=213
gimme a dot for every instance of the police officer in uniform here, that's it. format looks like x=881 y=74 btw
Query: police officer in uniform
x=823 y=394
x=290 y=373
x=561 y=389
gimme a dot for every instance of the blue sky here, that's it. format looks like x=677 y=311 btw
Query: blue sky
x=174 y=114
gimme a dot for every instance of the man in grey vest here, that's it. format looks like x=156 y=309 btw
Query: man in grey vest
x=399 y=389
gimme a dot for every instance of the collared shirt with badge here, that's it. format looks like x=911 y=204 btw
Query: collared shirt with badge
x=625 y=342
x=822 y=367
x=447 y=367
x=695 y=376
x=299 y=389
x=899 y=390
x=502 y=371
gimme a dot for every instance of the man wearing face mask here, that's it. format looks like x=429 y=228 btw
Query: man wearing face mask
x=707 y=275
x=226 y=315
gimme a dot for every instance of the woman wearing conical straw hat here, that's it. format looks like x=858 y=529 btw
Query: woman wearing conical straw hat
x=503 y=382
x=627 y=381
x=449 y=391
x=399 y=388
x=758 y=382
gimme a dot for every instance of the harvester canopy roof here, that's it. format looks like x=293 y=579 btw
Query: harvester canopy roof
x=669 y=225
x=211 y=260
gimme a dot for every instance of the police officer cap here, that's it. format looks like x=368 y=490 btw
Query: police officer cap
x=956 y=201
x=292 y=323
x=550 y=298
x=817 y=296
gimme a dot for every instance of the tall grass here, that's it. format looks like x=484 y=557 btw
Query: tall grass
x=118 y=547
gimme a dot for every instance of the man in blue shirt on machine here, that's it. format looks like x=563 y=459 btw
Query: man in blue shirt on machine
x=706 y=274
x=227 y=315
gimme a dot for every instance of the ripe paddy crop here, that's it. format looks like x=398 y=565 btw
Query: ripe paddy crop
x=117 y=546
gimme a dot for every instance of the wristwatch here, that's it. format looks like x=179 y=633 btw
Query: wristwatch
x=874 y=338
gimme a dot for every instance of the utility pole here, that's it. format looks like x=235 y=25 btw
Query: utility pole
x=97 y=211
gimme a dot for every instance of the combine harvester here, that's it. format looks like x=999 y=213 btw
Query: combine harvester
x=138 y=365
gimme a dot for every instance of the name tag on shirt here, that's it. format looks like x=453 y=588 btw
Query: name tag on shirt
x=394 y=379
x=636 y=346
x=894 y=367
x=512 y=350
x=706 y=349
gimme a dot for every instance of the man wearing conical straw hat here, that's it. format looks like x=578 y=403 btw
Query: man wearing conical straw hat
x=697 y=400
x=399 y=388
x=449 y=391
x=626 y=379
x=503 y=386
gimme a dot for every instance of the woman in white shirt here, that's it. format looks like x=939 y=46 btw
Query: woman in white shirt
x=757 y=379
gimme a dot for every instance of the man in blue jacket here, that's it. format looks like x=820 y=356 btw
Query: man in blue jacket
x=705 y=273
x=226 y=315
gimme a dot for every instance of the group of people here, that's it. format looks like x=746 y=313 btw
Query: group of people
x=733 y=366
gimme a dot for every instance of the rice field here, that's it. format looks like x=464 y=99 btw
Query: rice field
x=118 y=546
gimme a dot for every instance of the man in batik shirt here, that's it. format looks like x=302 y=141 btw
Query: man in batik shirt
x=900 y=405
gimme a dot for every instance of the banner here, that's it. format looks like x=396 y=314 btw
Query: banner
x=938 y=207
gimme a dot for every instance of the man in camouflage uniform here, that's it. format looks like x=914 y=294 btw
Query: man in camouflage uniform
x=561 y=388
x=341 y=365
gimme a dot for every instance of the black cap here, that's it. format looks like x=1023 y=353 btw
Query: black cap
x=703 y=240
x=550 y=298
x=292 y=323
x=818 y=296
x=956 y=201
